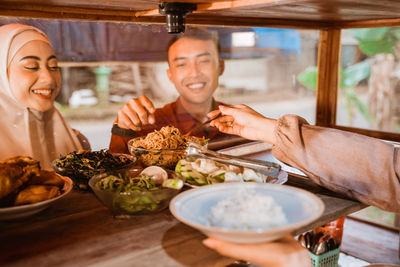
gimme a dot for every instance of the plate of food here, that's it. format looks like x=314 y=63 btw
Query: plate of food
x=162 y=148
x=202 y=171
x=26 y=190
x=246 y=212
x=82 y=165
x=131 y=193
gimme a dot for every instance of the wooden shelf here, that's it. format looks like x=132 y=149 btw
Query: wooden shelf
x=311 y=14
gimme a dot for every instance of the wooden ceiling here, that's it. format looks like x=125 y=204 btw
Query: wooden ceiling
x=314 y=14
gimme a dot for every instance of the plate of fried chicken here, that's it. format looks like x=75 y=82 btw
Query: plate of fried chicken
x=25 y=189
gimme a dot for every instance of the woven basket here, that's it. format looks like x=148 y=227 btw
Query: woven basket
x=328 y=259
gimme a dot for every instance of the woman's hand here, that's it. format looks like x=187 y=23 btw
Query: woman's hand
x=244 y=121
x=281 y=253
x=136 y=113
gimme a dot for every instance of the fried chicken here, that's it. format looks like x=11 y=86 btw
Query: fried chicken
x=15 y=172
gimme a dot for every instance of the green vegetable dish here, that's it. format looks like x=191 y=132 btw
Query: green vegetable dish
x=140 y=194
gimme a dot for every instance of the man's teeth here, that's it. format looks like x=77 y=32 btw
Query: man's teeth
x=42 y=92
x=196 y=85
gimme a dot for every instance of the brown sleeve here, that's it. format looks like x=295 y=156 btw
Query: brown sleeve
x=119 y=139
x=361 y=167
x=121 y=136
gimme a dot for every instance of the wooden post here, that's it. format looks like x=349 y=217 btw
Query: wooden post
x=328 y=76
x=66 y=87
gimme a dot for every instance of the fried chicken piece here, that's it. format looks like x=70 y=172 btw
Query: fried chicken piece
x=15 y=172
x=36 y=193
x=47 y=178
x=21 y=160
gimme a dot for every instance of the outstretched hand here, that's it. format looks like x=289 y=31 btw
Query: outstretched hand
x=284 y=252
x=244 y=121
x=136 y=113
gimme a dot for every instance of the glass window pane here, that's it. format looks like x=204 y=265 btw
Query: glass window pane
x=369 y=81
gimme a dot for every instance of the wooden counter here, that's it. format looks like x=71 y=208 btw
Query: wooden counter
x=79 y=231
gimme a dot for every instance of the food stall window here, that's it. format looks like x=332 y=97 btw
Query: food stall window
x=261 y=69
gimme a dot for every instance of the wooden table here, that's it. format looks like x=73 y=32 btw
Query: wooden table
x=79 y=231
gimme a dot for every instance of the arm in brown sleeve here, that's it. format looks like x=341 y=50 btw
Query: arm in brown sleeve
x=119 y=139
x=361 y=167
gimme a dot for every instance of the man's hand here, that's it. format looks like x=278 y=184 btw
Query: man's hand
x=136 y=113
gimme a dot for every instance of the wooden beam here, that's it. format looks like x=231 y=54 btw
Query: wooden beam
x=328 y=76
x=81 y=17
x=375 y=23
x=75 y=13
x=90 y=14
x=302 y=14
x=200 y=19
x=219 y=5
x=4 y=7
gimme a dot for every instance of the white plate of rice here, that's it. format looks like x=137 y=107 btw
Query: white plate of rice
x=246 y=212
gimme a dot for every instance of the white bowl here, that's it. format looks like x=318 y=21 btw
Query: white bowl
x=193 y=207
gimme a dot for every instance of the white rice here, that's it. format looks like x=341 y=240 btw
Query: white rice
x=247 y=210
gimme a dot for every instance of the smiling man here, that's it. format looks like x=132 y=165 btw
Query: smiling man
x=194 y=68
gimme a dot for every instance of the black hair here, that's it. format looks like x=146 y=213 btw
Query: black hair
x=197 y=34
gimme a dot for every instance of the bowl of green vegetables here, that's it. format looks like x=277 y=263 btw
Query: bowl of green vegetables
x=131 y=193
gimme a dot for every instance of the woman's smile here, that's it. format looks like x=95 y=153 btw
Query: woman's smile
x=43 y=93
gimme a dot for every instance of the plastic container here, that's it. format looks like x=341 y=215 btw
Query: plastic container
x=328 y=259
x=334 y=229
x=102 y=82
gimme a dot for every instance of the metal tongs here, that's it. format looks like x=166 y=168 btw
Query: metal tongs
x=265 y=167
x=202 y=124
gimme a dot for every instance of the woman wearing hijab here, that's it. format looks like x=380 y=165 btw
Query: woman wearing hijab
x=29 y=83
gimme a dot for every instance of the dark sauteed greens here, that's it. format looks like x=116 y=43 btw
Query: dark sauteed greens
x=82 y=165
x=90 y=160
